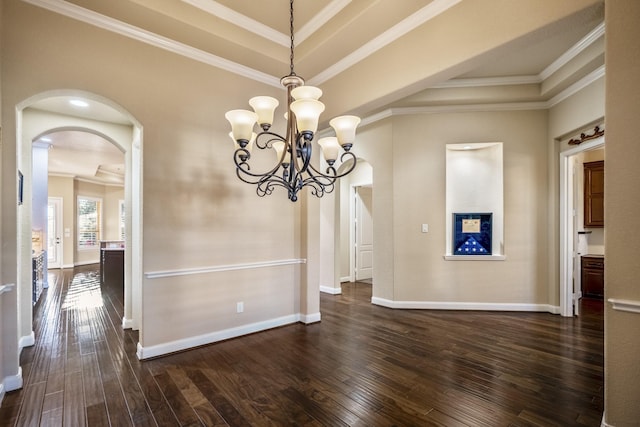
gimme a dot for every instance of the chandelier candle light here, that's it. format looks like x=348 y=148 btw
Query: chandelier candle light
x=293 y=170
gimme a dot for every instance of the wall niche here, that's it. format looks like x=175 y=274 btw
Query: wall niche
x=474 y=187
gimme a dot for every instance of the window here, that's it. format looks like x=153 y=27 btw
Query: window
x=89 y=222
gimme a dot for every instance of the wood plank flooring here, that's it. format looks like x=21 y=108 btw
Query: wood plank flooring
x=363 y=365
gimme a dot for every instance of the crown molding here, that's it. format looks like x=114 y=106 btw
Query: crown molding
x=489 y=81
x=596 y=74
x=216 y=9
x=425 y=14
x=574 y=51
x=318 y=21
x=560 y=62
x=106 y=23
x=506 y=106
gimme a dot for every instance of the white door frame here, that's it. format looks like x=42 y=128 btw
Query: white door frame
x=59 y=261
x=567 y=225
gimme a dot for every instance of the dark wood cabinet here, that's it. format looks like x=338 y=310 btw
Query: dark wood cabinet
x=112 y=267
x=594 y=194
x=593 y=276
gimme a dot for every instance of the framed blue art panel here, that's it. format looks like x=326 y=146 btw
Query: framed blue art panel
x=472 y=233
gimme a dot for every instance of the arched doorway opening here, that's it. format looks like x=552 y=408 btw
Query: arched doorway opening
x=52 y=112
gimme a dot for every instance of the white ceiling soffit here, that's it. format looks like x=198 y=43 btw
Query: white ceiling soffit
x=423 y=15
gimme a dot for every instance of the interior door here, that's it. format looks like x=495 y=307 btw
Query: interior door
x=364 y=233
x=54 y=232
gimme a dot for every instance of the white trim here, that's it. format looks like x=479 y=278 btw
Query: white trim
x=463 y=108
x=625 y=305
x=319 y=20
x=566 y=226
x=433 y=9
x=81 y=263
x=560 y=62
x=489 y=81
x=127 y=323
x=308 y=319
x=475 y=257
x=6 y=288
x=210 y=338
x=219 y=268
x=1 y=392
x=423 y=15
x=13 y=382
x=98 y=20
x=330 y=290
x=475 y=108
x=577 y=86
x=68 y=266
x=345 y=279
x=452 y=305
x=26 y=341
x=216 y=9
x=574 y=51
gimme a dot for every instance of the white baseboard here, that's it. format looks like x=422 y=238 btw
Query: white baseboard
x=191 y=342
x=127 y=323
x=79 y=264
x=12 y=382
x=329 y=290
x=68 y=266
x=309 y=318
x=484 y=306
x=26 y=341
x=345 y=279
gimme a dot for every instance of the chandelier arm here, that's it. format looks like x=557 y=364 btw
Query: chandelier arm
x=273 y=137
x=265 y=186
x=303 y=147
x=241 y=158
x=331 y=171
x=318 y=189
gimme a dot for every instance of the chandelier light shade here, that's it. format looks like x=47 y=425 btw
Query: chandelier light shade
x=293 y=169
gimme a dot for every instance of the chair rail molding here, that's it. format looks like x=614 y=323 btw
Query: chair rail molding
x=627 y=305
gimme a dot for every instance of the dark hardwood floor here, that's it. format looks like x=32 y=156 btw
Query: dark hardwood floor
x=362 y=365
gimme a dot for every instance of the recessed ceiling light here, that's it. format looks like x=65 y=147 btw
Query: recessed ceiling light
x=79 y=103
x=467 y=147
x=45 y=139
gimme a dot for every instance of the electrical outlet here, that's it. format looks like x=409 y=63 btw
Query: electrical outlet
x=240 y=307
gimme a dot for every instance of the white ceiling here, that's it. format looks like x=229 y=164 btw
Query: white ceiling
x=251 y=37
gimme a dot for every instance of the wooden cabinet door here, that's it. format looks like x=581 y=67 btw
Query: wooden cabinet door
x=594 y=194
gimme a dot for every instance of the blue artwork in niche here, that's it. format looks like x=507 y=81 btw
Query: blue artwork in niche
x=472 y=233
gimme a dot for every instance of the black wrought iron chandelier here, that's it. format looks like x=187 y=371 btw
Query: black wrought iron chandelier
x=293 y=169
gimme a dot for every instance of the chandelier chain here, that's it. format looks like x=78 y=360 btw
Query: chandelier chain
x=292 y=73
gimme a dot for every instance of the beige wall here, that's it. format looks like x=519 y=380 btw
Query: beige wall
x=197 y=214
x=622 y=204
x=419 y=271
